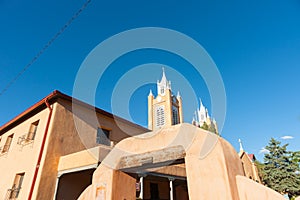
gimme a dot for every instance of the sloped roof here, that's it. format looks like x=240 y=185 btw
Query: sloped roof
x=52 y=98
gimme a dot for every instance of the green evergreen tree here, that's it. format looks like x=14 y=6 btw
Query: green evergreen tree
x=296 y=157
x=280 y=168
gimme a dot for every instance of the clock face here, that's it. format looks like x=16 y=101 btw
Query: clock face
x=158 y=98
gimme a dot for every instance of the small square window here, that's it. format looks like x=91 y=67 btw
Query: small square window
x=103 y=136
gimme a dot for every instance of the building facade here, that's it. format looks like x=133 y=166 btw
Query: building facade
x=165 y=109
x=248 y=163
x=42 y=156
x=183 y=169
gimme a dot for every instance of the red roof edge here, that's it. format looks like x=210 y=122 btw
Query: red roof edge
x=52 y=97
x=252 y=156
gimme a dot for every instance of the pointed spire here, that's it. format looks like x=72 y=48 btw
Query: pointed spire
x=150 y=93
x=241 y=146
x=202 y=107
x=214 y=120
x=163 y=84
x=163 y=78
x=206 y=111
x=178 y=95
x=200 y=102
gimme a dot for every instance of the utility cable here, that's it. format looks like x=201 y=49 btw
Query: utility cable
x=45 y=47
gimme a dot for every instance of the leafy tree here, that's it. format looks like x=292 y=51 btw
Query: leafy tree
x=210 y=128
x=205 y=126
x=280 y=168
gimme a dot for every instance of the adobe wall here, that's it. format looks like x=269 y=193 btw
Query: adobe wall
x=212 y=165
x=213 y=175
x=63 y=139
x=21 y=158
x=123 y=186
x=247 y=164
x=250 y=190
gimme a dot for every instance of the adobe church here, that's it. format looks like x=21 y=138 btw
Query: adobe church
x=42 y=156
x=176 y=160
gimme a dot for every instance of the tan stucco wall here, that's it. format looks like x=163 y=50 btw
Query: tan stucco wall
x=123 y=185
x=64 y=140
x=212 y=176
x=247 y=165
x=106 y=181
x=78 y=159
x=20 y=158
x=250 y=190
x=250 y=168
x=212 y=164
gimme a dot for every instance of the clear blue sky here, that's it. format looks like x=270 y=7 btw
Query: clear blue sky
x=255 y=44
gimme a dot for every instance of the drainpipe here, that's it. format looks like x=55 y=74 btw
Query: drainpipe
x=41 y=150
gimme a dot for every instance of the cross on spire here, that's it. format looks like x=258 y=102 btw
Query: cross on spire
x=241 y=146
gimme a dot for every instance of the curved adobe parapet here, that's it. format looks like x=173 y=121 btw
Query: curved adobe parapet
x=211 y=163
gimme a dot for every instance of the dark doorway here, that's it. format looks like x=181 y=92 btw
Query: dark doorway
x=71 y=185
x=154 y=191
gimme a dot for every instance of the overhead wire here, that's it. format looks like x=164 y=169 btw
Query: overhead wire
x=45 y=47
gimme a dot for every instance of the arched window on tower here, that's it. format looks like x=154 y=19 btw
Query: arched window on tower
x=160 y=116
x=175 y=118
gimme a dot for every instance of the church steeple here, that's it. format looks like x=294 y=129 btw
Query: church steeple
x=166 y=108
x=203 y=120
x=150 y=93
x=163 y=85
x=202 y=114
